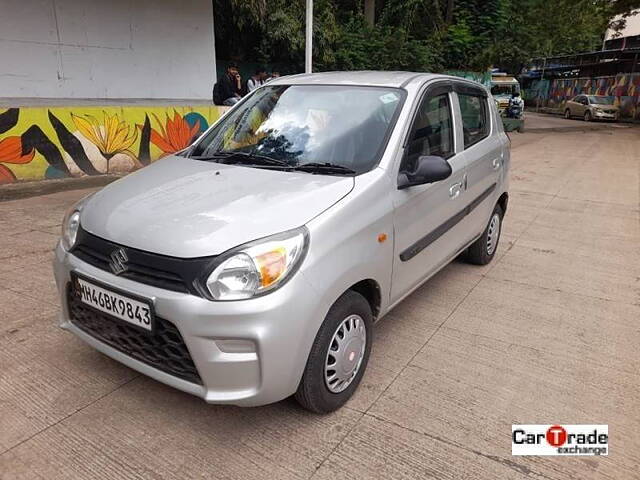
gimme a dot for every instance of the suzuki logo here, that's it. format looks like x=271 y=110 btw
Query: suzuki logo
x=119 y=261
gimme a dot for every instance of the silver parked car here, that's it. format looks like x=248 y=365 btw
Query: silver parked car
x=254 y=265
x=592 y=107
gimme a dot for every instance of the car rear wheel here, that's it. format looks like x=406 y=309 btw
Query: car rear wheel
x=587 y=116
x=339 y=355
x=567 y=114
x=482 y=251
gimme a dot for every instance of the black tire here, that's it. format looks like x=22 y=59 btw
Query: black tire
x=567 y=114
x=479 y=252
x=313 y=393
x=587 y=116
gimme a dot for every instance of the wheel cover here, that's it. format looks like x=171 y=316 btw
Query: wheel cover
x=493 y=233
x=345 y=355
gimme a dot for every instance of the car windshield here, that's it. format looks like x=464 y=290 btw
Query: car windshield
x=504 y=89
x=601 y=99
x=293 y=125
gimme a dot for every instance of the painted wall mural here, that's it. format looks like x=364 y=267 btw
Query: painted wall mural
x=40 y=143
x=625 y=87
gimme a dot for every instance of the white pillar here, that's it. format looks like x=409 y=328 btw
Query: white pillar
x=370 y=11
x=308 y=51
x=213 y=46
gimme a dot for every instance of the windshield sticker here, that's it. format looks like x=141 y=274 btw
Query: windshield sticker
x=389 y=97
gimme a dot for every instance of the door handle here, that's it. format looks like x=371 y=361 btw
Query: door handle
x=496 y=163
x=455 y=189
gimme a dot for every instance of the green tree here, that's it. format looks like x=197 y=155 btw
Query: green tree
x=414 y=34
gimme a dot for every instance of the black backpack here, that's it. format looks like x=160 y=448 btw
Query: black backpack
x=245 y=87
x=216 y=94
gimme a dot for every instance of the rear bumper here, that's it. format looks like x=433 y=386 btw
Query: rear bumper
x=247 y=353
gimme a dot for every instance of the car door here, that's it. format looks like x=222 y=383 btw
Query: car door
x=484 y=150
x=588 y=106
x=428 y=227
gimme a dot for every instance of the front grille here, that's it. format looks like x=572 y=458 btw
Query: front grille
x=169 y=273
x=163 y=349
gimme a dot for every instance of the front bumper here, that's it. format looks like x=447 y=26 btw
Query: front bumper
x=247 y=353
x=605 y=115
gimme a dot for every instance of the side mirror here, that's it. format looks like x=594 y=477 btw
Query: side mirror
x=429 y=169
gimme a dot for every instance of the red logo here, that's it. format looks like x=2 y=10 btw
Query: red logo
x=556 y=436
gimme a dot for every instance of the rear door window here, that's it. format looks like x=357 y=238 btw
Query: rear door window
x=475 y=118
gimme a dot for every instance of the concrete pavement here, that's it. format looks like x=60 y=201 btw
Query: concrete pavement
x=549 y=332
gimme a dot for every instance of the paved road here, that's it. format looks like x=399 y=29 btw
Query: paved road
x=544 y=122
x=548 y=333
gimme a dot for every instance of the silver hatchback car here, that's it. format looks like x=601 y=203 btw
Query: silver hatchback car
x=253 y=265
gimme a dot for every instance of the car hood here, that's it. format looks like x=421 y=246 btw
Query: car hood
x=606 y=106
x=190 y=208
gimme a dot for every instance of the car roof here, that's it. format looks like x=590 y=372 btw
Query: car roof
x=372 y=78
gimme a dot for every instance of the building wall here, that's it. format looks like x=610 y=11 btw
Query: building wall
x=39 y=143
x=632 y=27
x=106 y=49
x=624 y=86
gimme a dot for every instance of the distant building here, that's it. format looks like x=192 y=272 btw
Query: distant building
x=548 y=82
x=628 y=37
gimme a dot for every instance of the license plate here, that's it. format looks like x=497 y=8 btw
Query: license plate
x=136 y=311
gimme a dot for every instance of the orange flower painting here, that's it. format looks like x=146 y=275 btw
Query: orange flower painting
x=176 y=135
x=11 y=152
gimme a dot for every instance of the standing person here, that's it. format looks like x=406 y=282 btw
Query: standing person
x=227 y=89
x=256 y=80
x=516 y=106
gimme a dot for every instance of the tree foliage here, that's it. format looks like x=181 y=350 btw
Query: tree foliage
x=417 y=35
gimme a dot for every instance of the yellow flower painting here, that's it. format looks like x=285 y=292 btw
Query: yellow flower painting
x=112 y=136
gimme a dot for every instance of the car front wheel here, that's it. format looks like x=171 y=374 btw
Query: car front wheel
x=339 y=355
x=567 y=114
x=587 y=116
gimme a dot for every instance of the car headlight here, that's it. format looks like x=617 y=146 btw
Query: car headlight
x=71 y=223
x=257 y=267
x=70 y=226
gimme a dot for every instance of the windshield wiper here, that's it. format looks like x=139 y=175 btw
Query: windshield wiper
x=243 y=157
x=328 y=168
x=231 y=157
